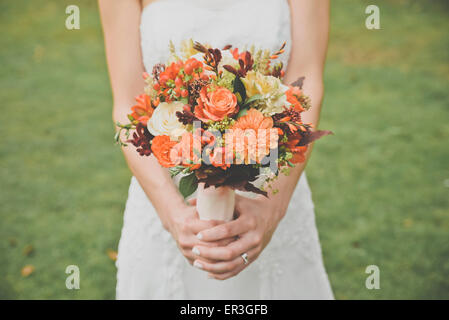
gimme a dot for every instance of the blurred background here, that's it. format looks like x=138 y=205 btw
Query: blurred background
x=380 y=184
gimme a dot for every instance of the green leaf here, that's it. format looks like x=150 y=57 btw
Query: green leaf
x=239 y=97
x=175 y=170
x=253 y=98
x=184 y=100
x=188 y=185
x=242 y=112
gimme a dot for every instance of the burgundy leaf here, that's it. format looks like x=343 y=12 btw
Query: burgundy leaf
x=217 y=56
x=298 y=83
x=251 y=188
x=309 y=137
x=199 y=47
x=231 y=69
x=242 y=64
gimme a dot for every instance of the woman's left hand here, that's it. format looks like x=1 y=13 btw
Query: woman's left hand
x=256 y=221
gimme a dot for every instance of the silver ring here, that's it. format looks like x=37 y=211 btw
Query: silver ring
x=245 y=258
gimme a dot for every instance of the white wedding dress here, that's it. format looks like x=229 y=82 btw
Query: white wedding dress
x=149 y=264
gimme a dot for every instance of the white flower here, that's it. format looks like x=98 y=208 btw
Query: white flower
x=165 y=122
x=271 y=89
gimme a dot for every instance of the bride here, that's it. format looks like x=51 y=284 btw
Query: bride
x=271 y=250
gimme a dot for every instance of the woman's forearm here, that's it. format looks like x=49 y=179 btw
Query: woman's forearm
x=154 y=179
x=121 y=21
x=310 y=25
x=286 y=184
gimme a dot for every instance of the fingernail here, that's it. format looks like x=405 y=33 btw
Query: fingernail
x=199 y=236
x=197 y=265
x=196 y=251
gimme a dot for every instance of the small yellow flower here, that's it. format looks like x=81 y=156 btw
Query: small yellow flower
x=187 y=49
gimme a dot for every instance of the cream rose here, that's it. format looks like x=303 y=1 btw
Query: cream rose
x=270 y=88
x=165 y=122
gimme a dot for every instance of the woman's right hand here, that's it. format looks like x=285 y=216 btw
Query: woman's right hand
x=184 y=224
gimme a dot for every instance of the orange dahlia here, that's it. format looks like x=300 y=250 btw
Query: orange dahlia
x=253 y=119
x=252 y=136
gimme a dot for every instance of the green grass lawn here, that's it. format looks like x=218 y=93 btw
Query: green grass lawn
x=381 y=183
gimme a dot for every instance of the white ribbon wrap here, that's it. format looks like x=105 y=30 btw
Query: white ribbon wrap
x=215 y=203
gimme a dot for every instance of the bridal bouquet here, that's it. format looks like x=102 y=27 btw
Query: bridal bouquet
x=222 y=120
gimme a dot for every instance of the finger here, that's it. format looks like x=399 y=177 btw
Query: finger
x=225 y=276
x=186 y=241
x=189 y=241
x=219 y=243
x=226 y=230
x=252 y=256
x=196 y=225
x=197 y=253
x=216 y=268
x=191 y=257
x=230 y=252
x=192 y=202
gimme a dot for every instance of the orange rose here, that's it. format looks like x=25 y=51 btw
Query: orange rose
x=161 y=147
x=293 y=95
x=216 y=104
